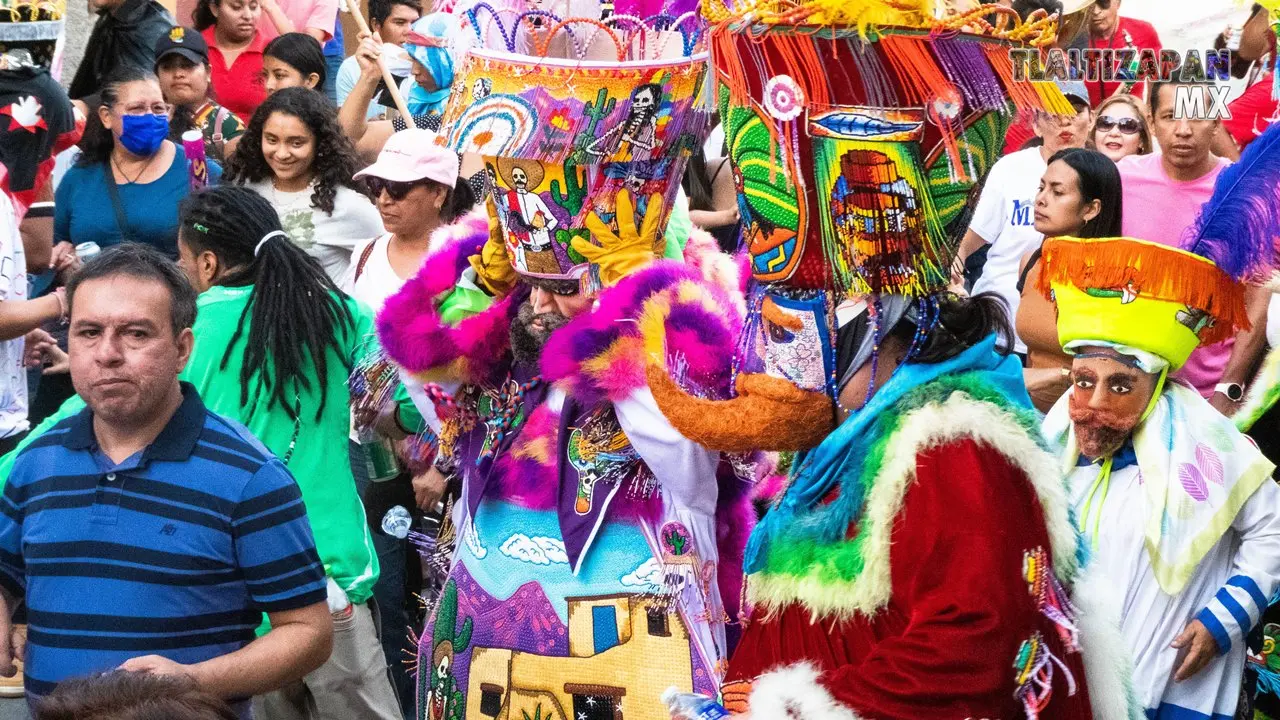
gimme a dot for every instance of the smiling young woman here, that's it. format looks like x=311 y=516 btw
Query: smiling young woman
x=294 y=155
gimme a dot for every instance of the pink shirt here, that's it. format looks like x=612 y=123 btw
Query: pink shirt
x=319 y=14
x=1160 y=209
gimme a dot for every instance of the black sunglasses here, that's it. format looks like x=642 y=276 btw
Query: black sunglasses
x=1128 y=125
x=397 y=190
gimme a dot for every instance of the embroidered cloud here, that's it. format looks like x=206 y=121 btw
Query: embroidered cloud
x=535 y=550
x=648 y=575
x=472 y=539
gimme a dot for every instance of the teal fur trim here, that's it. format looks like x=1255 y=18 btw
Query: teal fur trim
x=814 y=563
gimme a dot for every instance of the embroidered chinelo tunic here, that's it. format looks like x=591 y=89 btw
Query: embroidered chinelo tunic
x=1216 y=486
x=590 y=573
x=942 y=598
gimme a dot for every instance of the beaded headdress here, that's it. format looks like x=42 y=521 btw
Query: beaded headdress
x=572 y=114
x=855 y=130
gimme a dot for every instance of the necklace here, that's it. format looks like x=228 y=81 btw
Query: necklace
x=285 y=206
x=135 y=178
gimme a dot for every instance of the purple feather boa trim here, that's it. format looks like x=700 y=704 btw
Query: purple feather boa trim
x=412 y=333
x=529 y=476
x=600 y=356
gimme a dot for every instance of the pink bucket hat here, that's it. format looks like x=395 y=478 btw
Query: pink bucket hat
x=414 y=154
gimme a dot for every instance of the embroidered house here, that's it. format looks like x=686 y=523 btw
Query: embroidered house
x=612 y=640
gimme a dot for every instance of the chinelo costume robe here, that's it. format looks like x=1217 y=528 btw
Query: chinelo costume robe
x=1193 y=488
x=598 y=559
x=931 y=579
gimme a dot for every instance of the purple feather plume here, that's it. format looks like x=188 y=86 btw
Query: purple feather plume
x=1238 y=227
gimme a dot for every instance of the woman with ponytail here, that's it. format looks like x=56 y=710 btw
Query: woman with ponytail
x=276 y=341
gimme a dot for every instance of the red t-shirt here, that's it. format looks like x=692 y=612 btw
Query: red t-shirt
x=1252 y=112
x=238 y=88
x=1141 y=35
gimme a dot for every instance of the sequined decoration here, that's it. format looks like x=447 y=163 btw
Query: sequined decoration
x=505 y=409
x=1033 y=676
x=1035 y=663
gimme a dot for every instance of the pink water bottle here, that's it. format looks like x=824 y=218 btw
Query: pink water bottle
x=197 y=165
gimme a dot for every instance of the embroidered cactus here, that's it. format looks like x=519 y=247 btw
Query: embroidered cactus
x=675 y=540
x=575 y=189
x=594 y=111
x=444 y=700
x=537 y=714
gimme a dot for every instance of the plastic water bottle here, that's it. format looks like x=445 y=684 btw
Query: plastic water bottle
x=692 y=706
x=397 y=522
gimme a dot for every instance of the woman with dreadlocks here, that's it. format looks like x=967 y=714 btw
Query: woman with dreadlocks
x=277 y=343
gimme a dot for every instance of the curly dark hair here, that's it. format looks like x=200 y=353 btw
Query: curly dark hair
x=335 y=158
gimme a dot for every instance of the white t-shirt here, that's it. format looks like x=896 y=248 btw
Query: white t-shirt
x=1005 y=218
x=377 y=280
x=13 y=288
x=327 y=237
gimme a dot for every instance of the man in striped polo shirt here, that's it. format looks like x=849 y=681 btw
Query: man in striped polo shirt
x=147 y=532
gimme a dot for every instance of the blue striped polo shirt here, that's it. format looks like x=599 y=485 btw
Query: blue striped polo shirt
x=175 y=552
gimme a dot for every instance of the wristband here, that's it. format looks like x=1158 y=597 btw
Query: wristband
x=61 y=296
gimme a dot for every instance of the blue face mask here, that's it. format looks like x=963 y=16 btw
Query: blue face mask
x=143 y=134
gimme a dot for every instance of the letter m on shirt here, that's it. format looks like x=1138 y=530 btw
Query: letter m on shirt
x=1022 y=213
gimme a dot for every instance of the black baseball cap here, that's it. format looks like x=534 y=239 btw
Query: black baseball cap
x=183 y=41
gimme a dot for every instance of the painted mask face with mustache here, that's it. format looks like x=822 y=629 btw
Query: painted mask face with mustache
x=1108 y=397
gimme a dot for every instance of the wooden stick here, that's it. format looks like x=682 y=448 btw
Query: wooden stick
x=387 y=78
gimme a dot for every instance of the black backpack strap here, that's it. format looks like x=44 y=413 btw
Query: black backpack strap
x=114 y=192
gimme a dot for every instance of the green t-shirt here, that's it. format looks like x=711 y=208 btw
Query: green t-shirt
x=320 y=462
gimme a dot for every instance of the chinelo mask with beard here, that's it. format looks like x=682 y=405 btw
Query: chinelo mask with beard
x=1100 y=433
x=1110 y=395
x=530 y=331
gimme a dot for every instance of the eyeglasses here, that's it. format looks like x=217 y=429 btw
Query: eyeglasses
x=1127 y=125
x=145 y=109
x=397 y=190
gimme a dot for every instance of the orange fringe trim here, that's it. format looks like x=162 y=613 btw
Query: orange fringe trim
x=1023 y=95
x=1155 y=271
x=914 y=66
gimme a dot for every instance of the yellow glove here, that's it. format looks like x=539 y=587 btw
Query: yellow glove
x=621 y=254
x=492 y=264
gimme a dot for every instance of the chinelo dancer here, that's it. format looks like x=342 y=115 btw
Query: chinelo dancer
x=1178 y=506
x=922 y=561
x=598 y=549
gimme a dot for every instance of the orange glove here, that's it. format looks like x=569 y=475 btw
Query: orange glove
x=631 y=248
